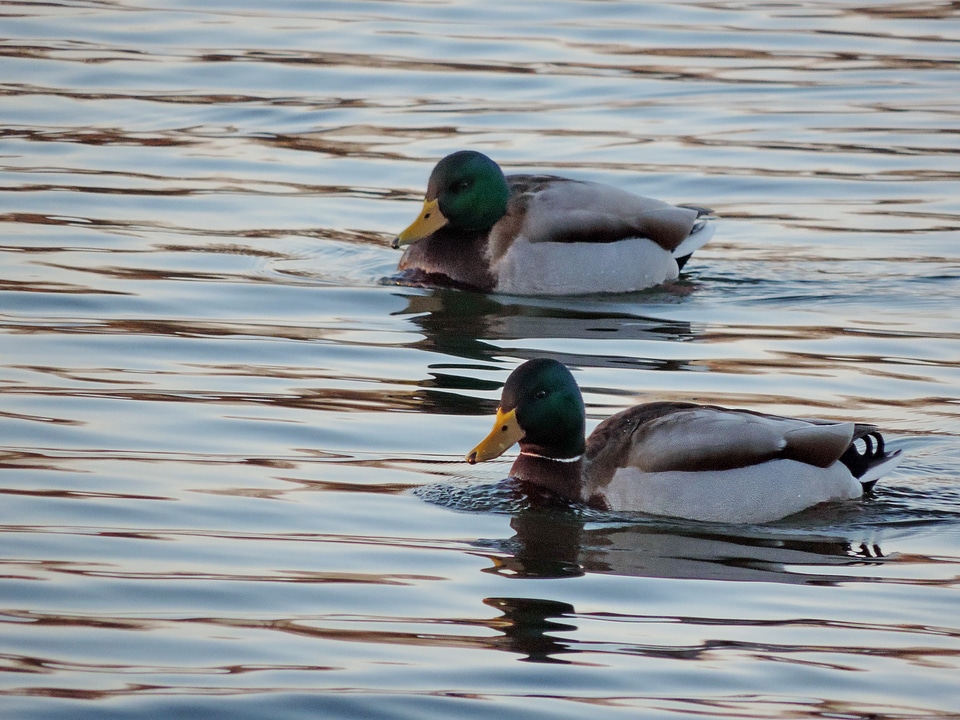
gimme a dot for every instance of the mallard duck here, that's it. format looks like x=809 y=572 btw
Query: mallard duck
x=678 y=459
x=543 y=235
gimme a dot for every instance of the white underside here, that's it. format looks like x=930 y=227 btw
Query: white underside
x=548 y=268
x=756 y=494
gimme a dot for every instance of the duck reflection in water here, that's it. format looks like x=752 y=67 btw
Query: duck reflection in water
x=527 y=624
x=469 y=325
x=559 y=544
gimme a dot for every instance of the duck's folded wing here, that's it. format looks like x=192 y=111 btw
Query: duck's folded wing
x=561 y=210
x=704 y=439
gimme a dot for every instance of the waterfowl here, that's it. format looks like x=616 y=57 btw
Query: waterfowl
x=678 y=459
x=543 y=235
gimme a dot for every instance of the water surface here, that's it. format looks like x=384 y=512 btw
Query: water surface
x=231 y=450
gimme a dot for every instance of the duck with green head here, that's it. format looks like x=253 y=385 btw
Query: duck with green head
x=677 y=459
x=541 y=234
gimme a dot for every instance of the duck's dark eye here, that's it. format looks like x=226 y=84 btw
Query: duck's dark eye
x=460 y=185
x=540 y=394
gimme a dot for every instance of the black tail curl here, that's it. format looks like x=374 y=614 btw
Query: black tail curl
x=858 y=463
x=702 y=212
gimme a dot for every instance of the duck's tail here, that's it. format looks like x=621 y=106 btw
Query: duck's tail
x=874 y=461
x=701 y=232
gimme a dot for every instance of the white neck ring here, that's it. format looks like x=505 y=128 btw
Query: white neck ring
x=553 y=459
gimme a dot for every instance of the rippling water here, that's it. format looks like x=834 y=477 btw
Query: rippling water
x=230 y=450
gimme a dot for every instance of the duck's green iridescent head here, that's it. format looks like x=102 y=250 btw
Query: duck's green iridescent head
x=467 y=192
x=541 y=408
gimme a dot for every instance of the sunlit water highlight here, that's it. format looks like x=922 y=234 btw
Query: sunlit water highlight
x=231 y=449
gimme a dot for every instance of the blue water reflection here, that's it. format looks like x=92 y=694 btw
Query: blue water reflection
x=231 y=446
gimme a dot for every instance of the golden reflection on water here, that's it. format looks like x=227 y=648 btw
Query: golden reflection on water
x=231 y=448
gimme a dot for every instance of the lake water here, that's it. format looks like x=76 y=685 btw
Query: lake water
x=231 y=453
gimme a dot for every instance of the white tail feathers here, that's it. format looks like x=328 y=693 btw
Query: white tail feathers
x=699 y=236
x=878 y=471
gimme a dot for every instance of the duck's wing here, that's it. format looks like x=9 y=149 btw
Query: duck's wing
x=663 y=437
x=545 y=208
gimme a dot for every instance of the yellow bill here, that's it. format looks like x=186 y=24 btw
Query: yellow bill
x=506 y=432
x=429 y=221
